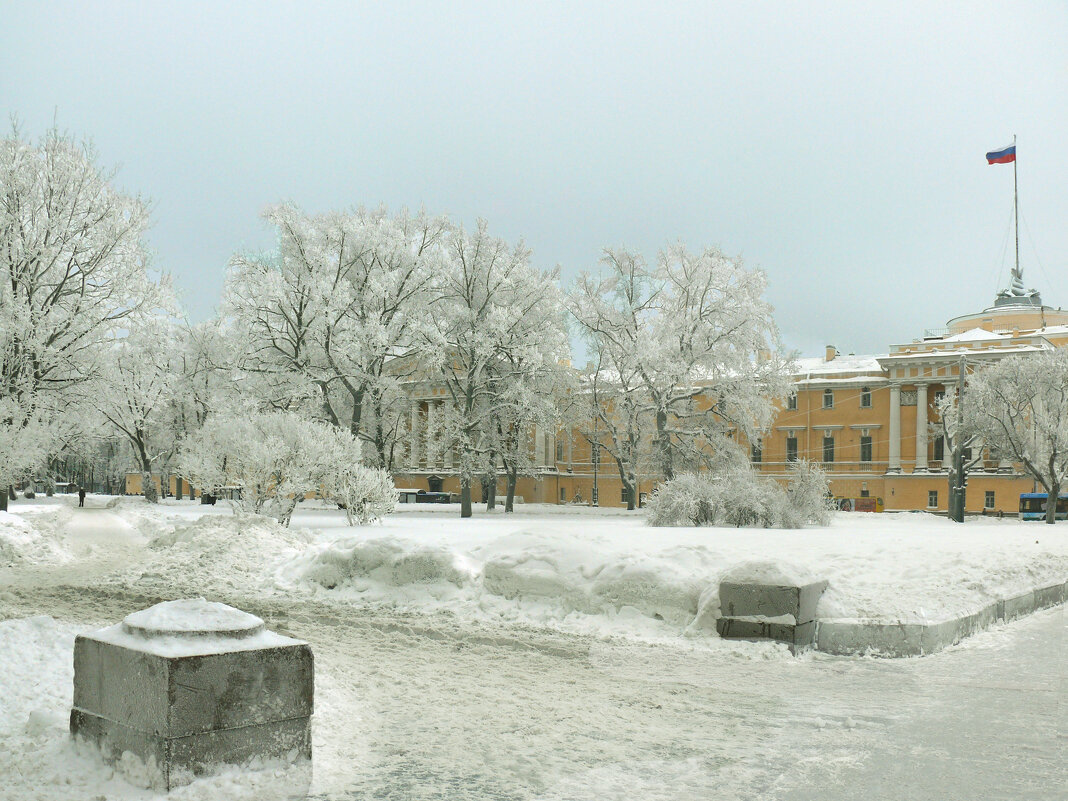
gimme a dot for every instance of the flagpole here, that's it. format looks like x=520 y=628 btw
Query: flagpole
x=1016 y=206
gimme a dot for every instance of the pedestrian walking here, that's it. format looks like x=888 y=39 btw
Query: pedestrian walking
x=81 y=496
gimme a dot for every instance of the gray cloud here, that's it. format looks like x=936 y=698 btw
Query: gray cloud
x=840 y=151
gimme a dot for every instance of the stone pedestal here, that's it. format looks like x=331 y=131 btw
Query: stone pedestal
x=770 y=612
x=187 y=685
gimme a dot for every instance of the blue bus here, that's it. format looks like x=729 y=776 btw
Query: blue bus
x=1033 y=506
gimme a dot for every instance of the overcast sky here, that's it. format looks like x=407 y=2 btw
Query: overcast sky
x=840 y=151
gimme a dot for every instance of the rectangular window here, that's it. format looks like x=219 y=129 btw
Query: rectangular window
x=623 y=494
x=988 y=503
x=559 y=450
x=863 y=493
x=791 y=449
x=865 y=397
x=791 y=403
x=939 y=448
x=756 y=454
x=828 y=449
x=865 y=449
x=828 y=399
x=932 y=499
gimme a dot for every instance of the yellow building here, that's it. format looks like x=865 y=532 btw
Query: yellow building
x=865 y=419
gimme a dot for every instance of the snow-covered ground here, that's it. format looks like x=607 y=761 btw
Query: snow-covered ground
x=556 y=653
x=580 y=569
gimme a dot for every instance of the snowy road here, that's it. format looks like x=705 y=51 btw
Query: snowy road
x=418 y=707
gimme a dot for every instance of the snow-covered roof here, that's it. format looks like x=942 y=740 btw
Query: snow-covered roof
x=955 y=353
x=975 y=335
x=816 y=366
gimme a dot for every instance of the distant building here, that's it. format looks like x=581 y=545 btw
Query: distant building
x=863 y=418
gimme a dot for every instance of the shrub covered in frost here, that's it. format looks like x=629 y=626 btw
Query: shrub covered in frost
x=809 y=495
x=365 y=493
x=739 y=497
x=683 y=501
x=277 y=458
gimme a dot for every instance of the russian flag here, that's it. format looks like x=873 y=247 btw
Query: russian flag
x=1003 y=156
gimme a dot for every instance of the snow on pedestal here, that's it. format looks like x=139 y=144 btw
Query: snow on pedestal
x=186 y=685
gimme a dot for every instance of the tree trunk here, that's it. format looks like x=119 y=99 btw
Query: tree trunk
x=489 y=491
x=11 y=492
x=1052 y=497
x=465 y=497
x=509 y=501
x=3 y=501
x=663 y=444
x=957 y=491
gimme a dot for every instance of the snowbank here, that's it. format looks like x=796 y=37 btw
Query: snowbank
x=217 y=552
x=34 y=538
x=599 y=574
x=570 y=567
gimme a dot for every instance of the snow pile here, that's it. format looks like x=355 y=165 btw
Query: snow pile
x=34 y=538
x=219 y=552
x=598 y=574
x=541 y=567
x=384 y=560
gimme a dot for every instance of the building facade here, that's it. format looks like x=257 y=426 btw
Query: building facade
x=870 y=421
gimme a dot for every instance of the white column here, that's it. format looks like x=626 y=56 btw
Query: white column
x=447 y=448
x=921 y=428
x=431 y=434
x=539 y=446
x=895 y=429
x=416 y=432
x=550 y=449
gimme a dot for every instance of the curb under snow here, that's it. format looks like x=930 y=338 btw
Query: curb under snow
x=849 y=637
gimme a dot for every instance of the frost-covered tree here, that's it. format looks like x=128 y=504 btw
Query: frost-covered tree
x=612 y=415
x=696 y=326
x=136 y=391
x=72 y=273
x=1019 y=407
x=328 y=315
x=24 y=442
x=277 y=458
x=495 y=324
x=535 y=382
x=72 y=265
x=960 y=442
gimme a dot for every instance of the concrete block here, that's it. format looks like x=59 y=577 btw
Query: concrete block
x=1018 y=606
x=770 y=600
x=848 y=637
x=936 y=636
x=186 y=698
x=1049 y=596
x=799 y=637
